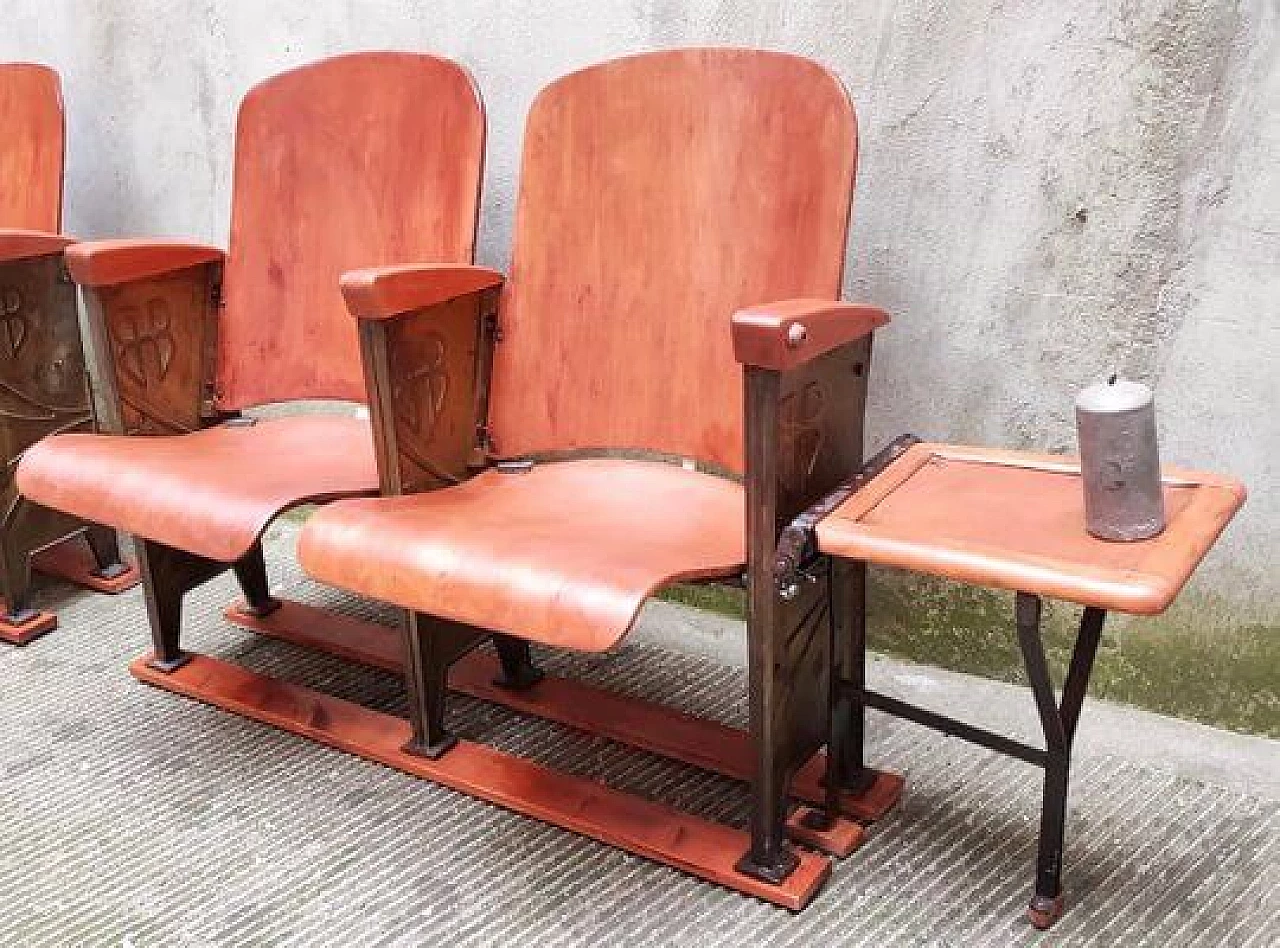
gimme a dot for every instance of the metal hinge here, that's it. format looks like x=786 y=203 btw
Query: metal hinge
x=215 y=295
x=484 y=439
x=797 y=549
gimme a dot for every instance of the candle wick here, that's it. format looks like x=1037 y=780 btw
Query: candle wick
x=1114 y=377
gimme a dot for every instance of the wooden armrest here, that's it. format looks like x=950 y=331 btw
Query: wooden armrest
x=790 y=333
x=387 y=292
x=113 y=262
x=25 y=244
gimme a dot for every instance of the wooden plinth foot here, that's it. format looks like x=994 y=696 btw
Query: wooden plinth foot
x=839 y=839
x=72 y=561
x=700 y=847
x=644 y=725
x=866 y=806
x=20 y=633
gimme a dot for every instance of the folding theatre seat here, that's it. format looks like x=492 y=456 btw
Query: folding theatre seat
x=45 y=388
x=558 y=445
x=368 y=154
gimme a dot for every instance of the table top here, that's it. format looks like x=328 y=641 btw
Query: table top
x=1015 y=520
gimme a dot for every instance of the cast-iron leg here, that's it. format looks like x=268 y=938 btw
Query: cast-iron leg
x=771 y=856
x=1077 y=683
x=251 y=574
x=1059 y=724
x=773 y=634
x=846 y=768
x=105 y=546
x=431 y=645
x=169 y=574
x=15 y=586
x=519 y=673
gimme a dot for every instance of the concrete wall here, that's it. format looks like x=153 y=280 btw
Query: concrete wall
x=1048 y=190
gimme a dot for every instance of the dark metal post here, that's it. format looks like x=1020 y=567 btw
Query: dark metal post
x=167 y=575
x=251 y=574
x=431 y=645
x=846 y=764
x=15 y=582
x=771 y=856
x=105 y=546
x=1077 y=683
x=1046 y=903
x=519 y=673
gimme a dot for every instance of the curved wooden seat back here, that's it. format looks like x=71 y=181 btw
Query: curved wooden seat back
x=659 y=194
x=360 y=160
x=32 y=132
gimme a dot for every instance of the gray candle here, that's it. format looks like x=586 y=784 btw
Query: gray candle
x=1119 y=460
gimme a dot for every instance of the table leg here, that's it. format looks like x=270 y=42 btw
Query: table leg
x=1059 y=723
x=847 y=767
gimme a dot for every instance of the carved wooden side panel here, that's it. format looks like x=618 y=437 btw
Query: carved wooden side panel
x=820 y=422
x=44 y=388
x=155 y=343
x=425 y=371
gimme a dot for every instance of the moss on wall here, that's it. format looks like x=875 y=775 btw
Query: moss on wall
x=1190 y=662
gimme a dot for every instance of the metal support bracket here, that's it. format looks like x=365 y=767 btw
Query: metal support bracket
x=797 y=547
x=1058 y=720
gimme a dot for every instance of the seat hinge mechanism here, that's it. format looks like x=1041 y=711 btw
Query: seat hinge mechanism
x=797 y=548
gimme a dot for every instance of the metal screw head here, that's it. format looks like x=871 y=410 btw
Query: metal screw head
x=796 y=335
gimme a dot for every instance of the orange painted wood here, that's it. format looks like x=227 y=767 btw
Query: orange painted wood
x=563 y=554
x=24 y=244
x=32 y=136
x=840 y=839
x=101 y=263
x=369 y=159
x=650 y=727
x=869 y=805
x=659 y=194
x=784 y=335
x=1015 y=520
x=700 y=847
x=38 y=625
x=210 y=492
x=385 y=292
x=72 y=561
x=348 y=638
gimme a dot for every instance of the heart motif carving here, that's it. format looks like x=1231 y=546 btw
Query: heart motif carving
x=144 y=342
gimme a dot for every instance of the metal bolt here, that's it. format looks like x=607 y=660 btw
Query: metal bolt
x=796 y=335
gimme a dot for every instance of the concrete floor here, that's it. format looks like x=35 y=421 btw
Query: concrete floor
x=130 y=817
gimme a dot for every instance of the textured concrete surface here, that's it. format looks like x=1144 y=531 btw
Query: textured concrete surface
x=1047 y=191
x=131 y=817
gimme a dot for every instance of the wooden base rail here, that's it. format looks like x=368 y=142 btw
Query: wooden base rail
x=700 y=847
x=634 y=722
x=70 y=561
